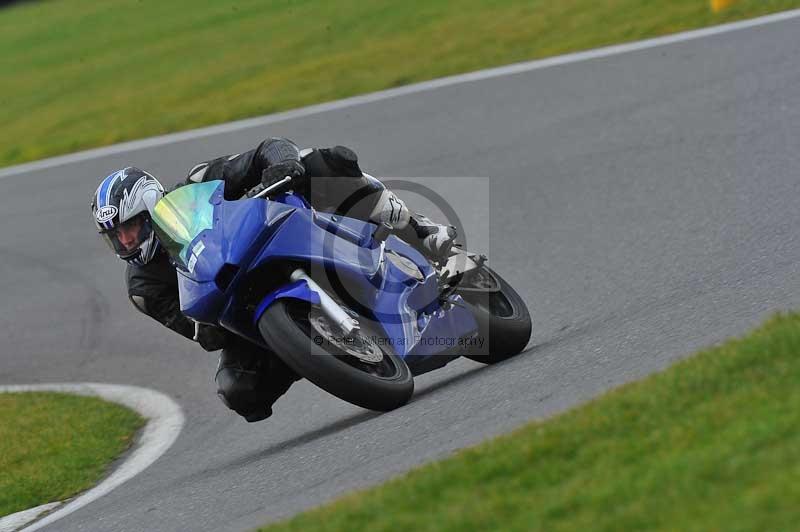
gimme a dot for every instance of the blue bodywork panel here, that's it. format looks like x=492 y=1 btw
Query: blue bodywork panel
x=297 y=290
x=389 y=283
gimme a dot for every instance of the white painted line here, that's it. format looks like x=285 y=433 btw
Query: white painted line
x=165 y=421
x=13 y=522
x=424 y=86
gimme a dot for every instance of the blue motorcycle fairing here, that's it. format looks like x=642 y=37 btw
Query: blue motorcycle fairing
x=302 y=239
x=293 y=200
x=341 y=226
x=389 y=282
x=238 y=232
x=296 y=290
x=375 y=287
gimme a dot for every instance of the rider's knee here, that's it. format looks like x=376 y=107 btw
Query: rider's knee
x=239 y=390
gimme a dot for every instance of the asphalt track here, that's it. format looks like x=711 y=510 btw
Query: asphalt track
x=644 y=204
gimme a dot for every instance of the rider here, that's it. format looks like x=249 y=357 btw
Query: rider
x=248 y=382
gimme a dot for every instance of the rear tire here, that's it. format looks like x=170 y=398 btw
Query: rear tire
x=297 y=333
x=504 y=322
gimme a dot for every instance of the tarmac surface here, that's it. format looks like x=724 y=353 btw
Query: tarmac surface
x=643 y=204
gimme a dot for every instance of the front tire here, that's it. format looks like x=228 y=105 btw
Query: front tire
x=503 y=318
x=305 y=340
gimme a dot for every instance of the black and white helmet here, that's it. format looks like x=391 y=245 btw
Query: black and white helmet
x=121 y=208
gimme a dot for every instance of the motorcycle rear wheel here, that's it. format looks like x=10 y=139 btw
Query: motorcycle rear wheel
x=504 y=323
x=354 y=368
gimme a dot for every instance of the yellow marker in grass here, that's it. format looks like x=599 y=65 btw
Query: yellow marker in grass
x=719 y=5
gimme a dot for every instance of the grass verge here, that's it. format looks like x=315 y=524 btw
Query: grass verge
x=55 y=445
x=712 y=443
x=76 y=74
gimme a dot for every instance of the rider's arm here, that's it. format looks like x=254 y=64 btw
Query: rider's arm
x=242 y=171
x=153 y=291
x=155 y=299
x=165 y=311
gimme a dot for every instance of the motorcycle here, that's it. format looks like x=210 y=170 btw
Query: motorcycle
x=343 y=302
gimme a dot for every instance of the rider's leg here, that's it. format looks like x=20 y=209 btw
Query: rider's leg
x=249 y=380
x=348 y=192
x=432 y=239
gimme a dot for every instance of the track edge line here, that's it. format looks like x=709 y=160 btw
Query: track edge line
x=165 y=420
x=353 y=101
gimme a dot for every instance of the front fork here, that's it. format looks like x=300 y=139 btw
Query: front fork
x=331 y=309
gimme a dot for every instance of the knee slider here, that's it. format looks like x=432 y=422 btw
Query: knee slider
x=238 y=389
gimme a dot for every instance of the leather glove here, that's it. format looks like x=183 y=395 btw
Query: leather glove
x=211 y=338
x=278 y=171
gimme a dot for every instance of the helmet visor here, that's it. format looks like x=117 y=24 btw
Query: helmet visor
x=126 y=238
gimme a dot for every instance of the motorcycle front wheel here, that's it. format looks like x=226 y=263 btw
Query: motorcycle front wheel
x=355 y=368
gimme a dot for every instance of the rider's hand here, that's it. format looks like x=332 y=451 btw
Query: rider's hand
x=278 y=171
x=211 y=338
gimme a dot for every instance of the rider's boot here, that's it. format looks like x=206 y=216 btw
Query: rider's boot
x=431 y=239
x=436 y=240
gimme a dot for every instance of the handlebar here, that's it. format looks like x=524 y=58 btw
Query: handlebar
x=262 y=190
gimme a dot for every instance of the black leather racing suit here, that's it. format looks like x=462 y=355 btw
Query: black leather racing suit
x=249 y=380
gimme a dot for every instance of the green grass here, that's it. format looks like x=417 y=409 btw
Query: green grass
x=54 y=445
x=80 y=73
x=712 y=443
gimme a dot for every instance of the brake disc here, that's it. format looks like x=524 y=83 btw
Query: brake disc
x=353 y=345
